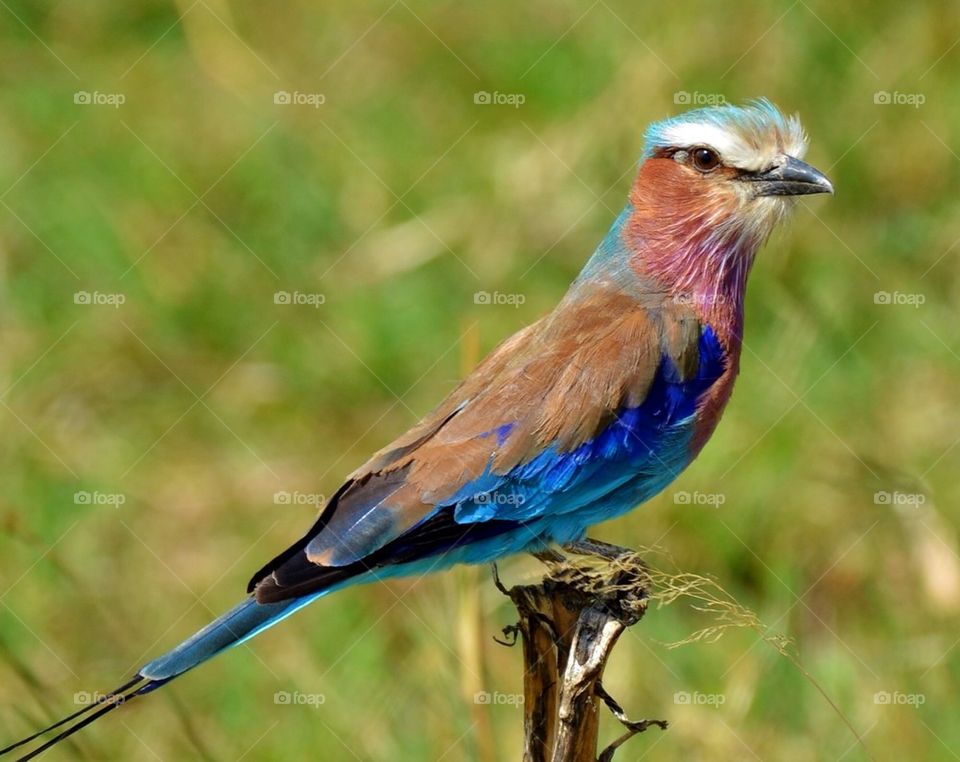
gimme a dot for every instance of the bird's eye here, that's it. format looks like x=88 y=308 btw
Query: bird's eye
x=705 y=159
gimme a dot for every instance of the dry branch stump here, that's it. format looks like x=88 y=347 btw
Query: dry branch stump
x=569 y=624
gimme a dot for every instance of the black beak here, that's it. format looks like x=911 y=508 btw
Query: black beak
x=791 y=178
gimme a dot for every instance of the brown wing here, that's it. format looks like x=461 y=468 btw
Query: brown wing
x=556 y=383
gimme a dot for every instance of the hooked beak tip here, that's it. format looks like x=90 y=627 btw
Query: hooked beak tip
x=791 y=178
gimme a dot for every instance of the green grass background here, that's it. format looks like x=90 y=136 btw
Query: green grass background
x=398 y=199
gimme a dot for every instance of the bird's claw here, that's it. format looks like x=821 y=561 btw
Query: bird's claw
x=598 y=549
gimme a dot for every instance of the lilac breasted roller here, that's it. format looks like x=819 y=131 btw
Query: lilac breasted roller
x=573 y=420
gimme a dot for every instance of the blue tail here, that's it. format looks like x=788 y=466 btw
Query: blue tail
x=240 y=623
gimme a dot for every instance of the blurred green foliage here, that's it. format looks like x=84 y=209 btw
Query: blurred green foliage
x=199 y=398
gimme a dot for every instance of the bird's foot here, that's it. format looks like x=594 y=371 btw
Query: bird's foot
x=549 y=556
x=606 y=576
x=598 y=549
x=590 y=573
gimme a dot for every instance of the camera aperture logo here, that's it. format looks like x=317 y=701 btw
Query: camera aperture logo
x=896 y=698
x=96 y=98
x=499 y=498
x=296 y=98
x=296 y=698
x=498 y=699
x=496 y=98
x=705 y=300
x=299 y=298
x=896 y=498
x=716 y=499
x=98 y=299
x=498 y=298
x=685 y=698
x=116 y=499
x=86 y=698
x=896 y=98
x=315 y=499
x=696 y=98
x=899 y=299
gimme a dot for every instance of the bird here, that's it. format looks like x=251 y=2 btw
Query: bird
x=575 y=419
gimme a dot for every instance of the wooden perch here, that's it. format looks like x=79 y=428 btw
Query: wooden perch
x=569 y=624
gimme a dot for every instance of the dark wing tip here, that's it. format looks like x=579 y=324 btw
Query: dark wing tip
x=299 y=576
x=290 y=553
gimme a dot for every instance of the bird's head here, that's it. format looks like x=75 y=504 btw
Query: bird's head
x=712 y=185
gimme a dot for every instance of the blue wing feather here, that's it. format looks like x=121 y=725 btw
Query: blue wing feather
x=637 y=453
